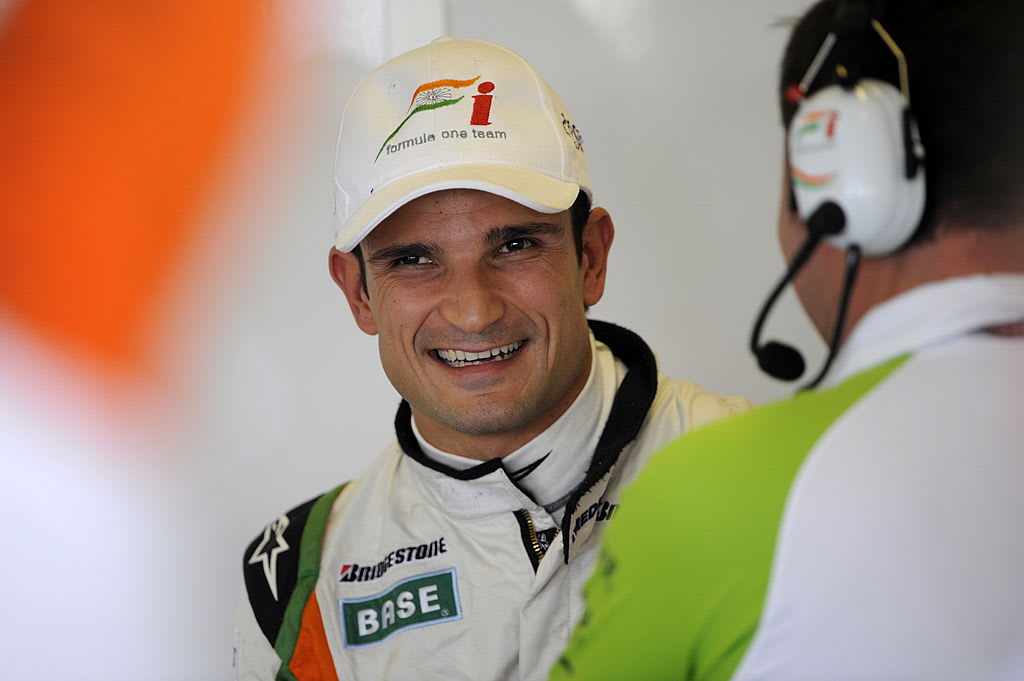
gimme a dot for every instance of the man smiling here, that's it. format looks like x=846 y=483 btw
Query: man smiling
x=478 y=304
x=468 y=246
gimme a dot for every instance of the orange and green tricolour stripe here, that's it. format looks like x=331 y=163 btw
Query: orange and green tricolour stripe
x=807 y=180
x=813 y=121
x=301 y=642
x=432 y=95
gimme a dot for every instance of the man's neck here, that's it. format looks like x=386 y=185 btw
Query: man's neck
x=954 y=252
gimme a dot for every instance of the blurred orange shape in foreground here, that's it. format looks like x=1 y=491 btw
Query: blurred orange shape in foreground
x=114 y=116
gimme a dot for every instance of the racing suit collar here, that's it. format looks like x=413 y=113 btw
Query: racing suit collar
x=551 y=465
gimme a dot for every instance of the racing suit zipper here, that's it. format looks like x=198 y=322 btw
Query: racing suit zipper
x=530 y=539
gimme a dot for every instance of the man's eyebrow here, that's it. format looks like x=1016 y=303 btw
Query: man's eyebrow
x=412 y=249
x=500 y=235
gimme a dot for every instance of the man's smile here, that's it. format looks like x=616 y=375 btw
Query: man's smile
x=463 y=358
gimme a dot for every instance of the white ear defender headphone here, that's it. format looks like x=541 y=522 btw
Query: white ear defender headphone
x=856 y=173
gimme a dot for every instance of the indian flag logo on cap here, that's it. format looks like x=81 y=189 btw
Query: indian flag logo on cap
x=428 y=96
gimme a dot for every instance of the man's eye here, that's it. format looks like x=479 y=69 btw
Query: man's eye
x=409 y=260
x=516 y=245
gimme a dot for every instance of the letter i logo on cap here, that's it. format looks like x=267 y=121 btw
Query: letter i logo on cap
x=482 y=104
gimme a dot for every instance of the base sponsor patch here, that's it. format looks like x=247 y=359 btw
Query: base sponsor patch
x=415 y=602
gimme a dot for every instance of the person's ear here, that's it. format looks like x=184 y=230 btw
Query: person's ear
x=598 y=234
x=348 y=275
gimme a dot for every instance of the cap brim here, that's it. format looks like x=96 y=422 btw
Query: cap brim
x=531 y=188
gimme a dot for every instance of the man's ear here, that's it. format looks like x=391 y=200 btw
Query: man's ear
x=348 y=275
x=598 y=234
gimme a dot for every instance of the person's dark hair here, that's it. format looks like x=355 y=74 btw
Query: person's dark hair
x=965 y=62
x=579 y=213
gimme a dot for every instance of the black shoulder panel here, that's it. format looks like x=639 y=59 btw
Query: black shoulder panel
x=271 y=568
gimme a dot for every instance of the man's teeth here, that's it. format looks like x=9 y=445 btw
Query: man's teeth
x=460 y=358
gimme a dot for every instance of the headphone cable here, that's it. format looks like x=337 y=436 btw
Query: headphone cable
x=778 y=359
x=852 y=266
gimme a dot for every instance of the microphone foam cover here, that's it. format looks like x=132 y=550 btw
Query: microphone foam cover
x=828 y=219
x=781 y=361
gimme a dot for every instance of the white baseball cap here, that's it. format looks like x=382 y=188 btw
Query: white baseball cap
x=453 y=114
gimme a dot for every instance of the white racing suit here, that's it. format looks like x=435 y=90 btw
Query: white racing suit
x=419 y=571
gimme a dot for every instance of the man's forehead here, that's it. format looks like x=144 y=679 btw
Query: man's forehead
x=460 y=201
x=458 y=213
x=455 y=199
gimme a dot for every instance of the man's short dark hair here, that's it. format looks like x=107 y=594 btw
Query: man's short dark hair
x=579 y=213
x=966 y=66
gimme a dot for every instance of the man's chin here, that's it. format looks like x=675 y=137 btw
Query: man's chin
x=480 y=418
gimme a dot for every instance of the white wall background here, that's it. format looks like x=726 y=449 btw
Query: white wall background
x=676 y=102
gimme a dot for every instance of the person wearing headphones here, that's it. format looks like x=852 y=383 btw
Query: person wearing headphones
x=468 y=246
x=867 y=528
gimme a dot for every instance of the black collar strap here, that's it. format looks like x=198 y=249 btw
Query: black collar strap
x=629 y=410
x=411 y=446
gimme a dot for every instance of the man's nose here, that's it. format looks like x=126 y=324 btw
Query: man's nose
x=473 y=301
